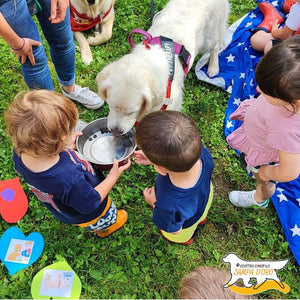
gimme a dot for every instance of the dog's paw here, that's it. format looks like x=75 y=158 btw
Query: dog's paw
x=87 y=58
x=98 y=39
x=212 y=70
x=94 y=41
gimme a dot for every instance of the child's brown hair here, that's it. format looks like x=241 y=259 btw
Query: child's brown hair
x=277 y=73
x=207 y=283
x=169 y=139
x=39 y=121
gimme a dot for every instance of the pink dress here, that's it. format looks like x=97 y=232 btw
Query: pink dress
x=266 y=128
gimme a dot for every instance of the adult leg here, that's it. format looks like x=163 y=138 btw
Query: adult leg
x=62 y=51
x=17 y=16
x=60 y=39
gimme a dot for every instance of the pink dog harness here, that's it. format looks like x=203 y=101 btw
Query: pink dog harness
x=82 y=22
x=171 y=48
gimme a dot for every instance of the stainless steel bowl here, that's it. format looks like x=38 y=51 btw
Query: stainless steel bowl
x=100 y=147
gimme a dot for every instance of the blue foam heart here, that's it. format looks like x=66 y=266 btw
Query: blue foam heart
x=15 y=235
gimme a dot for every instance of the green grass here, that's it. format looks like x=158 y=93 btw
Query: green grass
x=136 y=262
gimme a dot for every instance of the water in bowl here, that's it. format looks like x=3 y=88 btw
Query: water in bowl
x=103 y=148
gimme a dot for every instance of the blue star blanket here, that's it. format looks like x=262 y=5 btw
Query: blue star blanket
x=237 y=64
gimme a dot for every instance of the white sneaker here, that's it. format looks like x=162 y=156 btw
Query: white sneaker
x=84 y=96
x=80 y=125
x=246 y=199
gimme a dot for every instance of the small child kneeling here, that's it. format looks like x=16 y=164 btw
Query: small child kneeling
x=41 y=125
x=183 y=192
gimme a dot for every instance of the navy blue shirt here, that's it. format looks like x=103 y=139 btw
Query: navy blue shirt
x=176 y=207
x=67 y=188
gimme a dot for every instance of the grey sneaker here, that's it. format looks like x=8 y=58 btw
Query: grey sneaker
x=84 y=96
x=80 y=125
x=246 y=199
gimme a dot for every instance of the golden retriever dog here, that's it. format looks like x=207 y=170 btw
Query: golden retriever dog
x=88 y=14
x=136 y=84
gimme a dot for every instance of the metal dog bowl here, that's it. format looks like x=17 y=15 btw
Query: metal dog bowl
x=100 y=147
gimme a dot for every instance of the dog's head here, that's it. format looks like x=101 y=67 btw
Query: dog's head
x=131 y=91
x=229 y=258
x=92 y=7
x=85 y=3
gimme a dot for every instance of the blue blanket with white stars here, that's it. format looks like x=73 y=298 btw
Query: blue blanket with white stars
x=237 y=64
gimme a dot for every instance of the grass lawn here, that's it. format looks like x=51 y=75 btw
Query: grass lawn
x=136 y=262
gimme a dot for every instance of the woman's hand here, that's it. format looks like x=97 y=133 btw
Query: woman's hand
x=58 y=10
x=26 y=51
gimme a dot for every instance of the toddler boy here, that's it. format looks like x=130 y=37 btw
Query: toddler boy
x=183 y=192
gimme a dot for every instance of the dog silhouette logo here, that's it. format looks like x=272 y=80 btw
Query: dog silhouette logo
x=256 y=276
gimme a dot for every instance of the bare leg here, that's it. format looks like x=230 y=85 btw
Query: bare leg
x=264 y=190
x=260 y=39
x=69 y=89
x=268 y=46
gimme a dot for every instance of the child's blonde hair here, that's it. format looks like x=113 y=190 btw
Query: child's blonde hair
x=39 y=121
x=207 y=283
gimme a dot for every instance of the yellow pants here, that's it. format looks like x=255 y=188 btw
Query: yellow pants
x=186 y=234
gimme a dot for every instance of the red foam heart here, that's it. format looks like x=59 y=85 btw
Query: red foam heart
x=13 y=200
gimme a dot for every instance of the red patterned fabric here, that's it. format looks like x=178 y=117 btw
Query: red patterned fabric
x=82 y=22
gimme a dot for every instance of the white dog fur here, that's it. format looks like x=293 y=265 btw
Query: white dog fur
x=135 y=85
x=103 y=30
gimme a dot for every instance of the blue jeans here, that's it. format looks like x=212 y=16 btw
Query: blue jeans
x=59 y=37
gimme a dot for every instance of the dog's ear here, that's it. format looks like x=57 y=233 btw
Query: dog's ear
x=100 y=80
x=151 y=100
x=152 y=96
x=102 y=92
x=144 y=109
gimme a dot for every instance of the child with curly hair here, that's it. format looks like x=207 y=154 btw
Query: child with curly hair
x=41 y=125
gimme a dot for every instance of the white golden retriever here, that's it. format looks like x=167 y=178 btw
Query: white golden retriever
x=88 y=14
x=136 y=84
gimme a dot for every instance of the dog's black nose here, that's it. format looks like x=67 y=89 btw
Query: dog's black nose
x=91 y=2
x=116 y=131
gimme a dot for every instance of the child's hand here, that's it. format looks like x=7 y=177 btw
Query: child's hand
x=149 y=195
x=140 y=158
x=116 y=171
x=72 y=140
x=275 y=27
x=104 y=187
